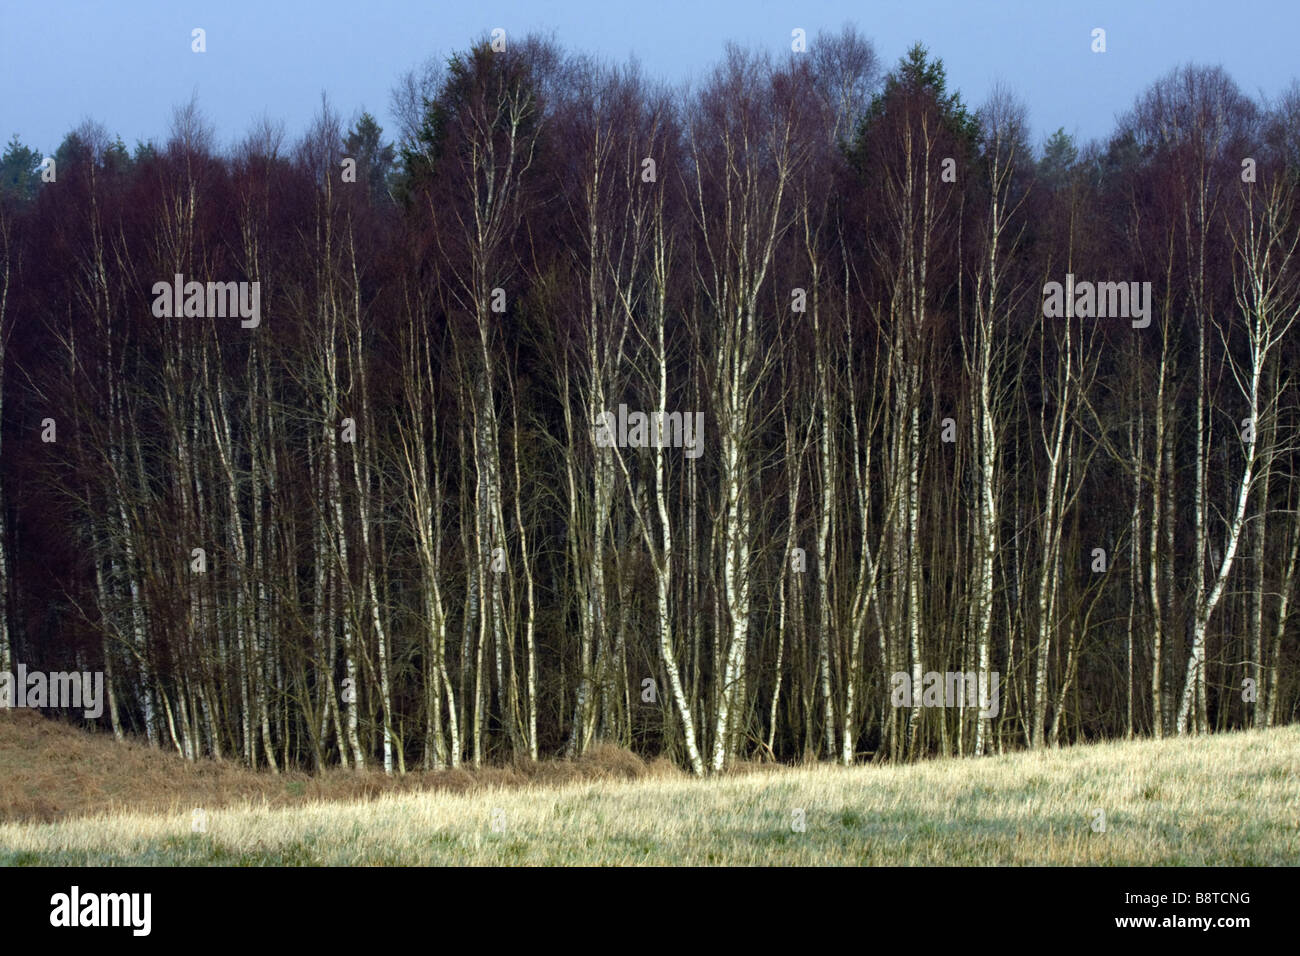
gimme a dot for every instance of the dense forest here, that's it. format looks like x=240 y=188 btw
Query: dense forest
x=722 y=423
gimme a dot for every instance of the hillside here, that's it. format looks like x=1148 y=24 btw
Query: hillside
x=52 y=771
x=1224 y=799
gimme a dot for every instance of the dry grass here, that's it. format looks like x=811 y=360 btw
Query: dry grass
x=1226 y=799
x=52 y=771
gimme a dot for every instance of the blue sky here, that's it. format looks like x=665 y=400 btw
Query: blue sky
x=126 y=63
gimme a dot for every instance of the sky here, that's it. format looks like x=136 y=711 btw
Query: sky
x=128 y=63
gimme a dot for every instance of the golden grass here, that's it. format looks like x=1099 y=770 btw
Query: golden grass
x=1224 y=799
x=52 y=771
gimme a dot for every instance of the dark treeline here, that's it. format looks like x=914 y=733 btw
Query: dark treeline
x=407 y=508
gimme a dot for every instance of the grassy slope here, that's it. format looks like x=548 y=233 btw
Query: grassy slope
x=1226 y=799
x=51 y=771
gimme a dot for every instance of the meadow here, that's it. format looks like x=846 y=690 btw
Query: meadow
x=1225 y=799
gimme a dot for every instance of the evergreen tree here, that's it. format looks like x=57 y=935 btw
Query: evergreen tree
x=374 y=157
x=20 y=171
x=1059 y=158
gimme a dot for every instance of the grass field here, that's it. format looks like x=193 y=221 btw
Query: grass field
x=1225 y=799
